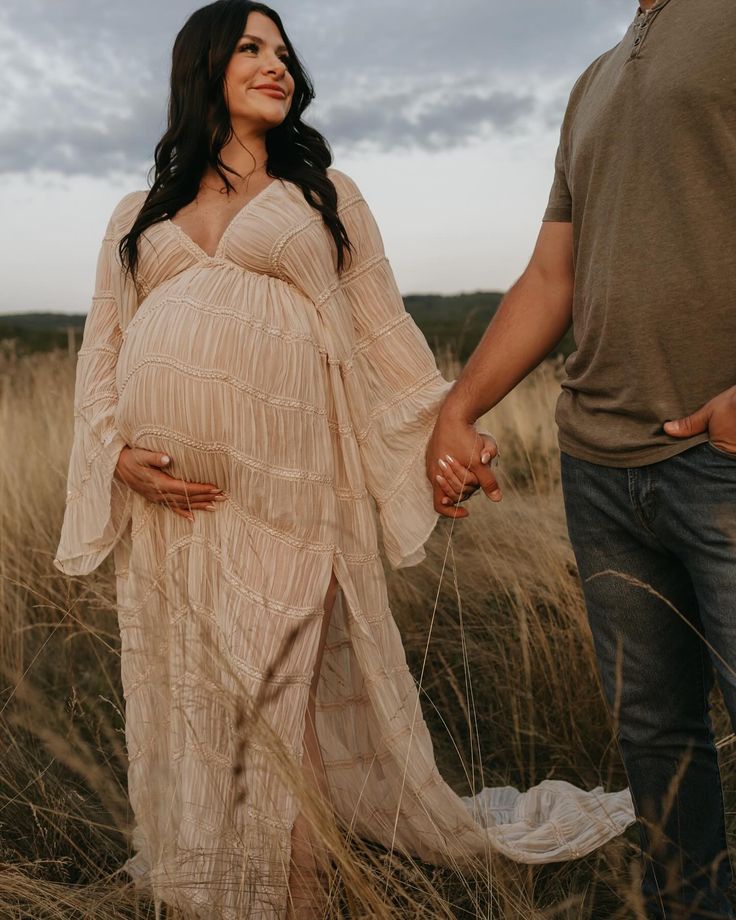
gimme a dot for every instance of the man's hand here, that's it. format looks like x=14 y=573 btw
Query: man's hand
x=467 y=455
x=143 y=471
x=717 y=417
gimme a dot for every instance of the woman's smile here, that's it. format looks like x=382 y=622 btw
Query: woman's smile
x=271 y=89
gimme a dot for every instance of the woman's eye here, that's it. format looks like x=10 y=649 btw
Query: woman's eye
x=252 y=46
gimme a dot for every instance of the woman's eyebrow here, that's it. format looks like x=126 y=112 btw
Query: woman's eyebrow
x=259 y=41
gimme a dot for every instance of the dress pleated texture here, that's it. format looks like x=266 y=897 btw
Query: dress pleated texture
x=308 y=398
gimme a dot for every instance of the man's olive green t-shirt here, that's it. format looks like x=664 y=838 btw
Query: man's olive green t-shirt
x=646 y=172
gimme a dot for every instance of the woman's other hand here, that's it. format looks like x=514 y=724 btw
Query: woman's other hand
x=144 y=471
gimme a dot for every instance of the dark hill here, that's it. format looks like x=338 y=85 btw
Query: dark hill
x=456 y=321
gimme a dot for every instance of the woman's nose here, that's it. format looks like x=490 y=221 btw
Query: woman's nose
x=275 y=66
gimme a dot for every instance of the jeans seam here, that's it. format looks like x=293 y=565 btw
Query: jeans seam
x=722 y=839
x=633 y=479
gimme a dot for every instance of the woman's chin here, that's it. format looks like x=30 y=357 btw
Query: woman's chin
x=262 y=121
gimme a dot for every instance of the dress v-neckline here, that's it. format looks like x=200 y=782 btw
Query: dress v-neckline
x=197 y=250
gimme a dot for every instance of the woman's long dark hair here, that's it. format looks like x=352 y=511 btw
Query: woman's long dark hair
x=199 y=127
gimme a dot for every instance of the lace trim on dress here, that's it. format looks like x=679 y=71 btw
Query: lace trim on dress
x=283 y=241
x=76 y=494
x=240 y=317
x=101 y=395
x=408 y=468
x=218 y=447
x=379 y=333
x=191 y=370
x=368 y=265
x=397 y=398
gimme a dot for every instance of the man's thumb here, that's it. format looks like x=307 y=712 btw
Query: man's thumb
x=687 y=427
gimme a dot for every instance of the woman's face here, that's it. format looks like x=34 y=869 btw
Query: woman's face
x=258 y=86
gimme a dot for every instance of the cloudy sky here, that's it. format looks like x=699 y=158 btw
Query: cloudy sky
x=446 y=114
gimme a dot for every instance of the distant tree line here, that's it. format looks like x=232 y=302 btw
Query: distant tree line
x=455 y=322
x=24 y=333
x=458 y=321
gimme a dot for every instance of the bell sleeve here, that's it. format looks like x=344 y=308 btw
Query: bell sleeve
x=98 y=505
x=394 y=386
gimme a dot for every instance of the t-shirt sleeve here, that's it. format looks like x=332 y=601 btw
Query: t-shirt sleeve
x=559 y=206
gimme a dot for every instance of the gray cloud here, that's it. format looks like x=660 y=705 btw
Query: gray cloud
x=86 y=83
x=86 y=144
x=410 y=120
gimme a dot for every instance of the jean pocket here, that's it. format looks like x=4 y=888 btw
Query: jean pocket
x=721 y=452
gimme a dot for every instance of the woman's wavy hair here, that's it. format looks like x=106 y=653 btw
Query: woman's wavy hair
x=199 y=127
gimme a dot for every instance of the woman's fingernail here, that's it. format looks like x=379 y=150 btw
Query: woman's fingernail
x=450 y=459
x=220 y=498
x=496 y=496
x=440 y=478
x=211 y=506
x=446 y=501
x=212 y=491
x=165 y=458
x=442 y=463
x=485 y=458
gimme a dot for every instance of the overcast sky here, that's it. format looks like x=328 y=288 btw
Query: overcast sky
x=445 y=114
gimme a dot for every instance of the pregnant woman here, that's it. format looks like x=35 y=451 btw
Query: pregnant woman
x=250 y=396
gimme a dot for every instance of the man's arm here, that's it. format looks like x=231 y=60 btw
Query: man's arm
x=531 y=320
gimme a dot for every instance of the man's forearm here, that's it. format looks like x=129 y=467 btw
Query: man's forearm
x=531 y=320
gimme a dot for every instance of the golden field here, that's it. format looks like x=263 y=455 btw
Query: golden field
x=493 y=624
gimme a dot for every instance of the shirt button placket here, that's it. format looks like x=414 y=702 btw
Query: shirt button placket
x=640 y=33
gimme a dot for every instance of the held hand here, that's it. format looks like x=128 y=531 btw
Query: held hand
x=467 y=455
x=717 y=417
x=457 y=481
x=143 y=471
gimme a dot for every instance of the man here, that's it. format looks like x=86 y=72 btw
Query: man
x=638 y=250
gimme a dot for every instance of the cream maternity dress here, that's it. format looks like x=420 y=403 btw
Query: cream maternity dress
x=308 y=398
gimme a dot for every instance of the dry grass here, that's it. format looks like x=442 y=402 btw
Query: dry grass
x=509 y=687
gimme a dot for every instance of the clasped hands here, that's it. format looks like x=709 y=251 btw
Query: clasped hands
x=459 y=461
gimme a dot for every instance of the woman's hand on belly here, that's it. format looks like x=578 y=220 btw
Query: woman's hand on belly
x=143 y=471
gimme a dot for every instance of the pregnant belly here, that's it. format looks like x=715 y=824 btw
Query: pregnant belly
x=224 y=387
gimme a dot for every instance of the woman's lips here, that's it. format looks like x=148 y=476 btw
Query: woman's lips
x=274 y=91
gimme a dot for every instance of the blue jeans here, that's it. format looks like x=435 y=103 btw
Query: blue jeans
x=656 y=551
